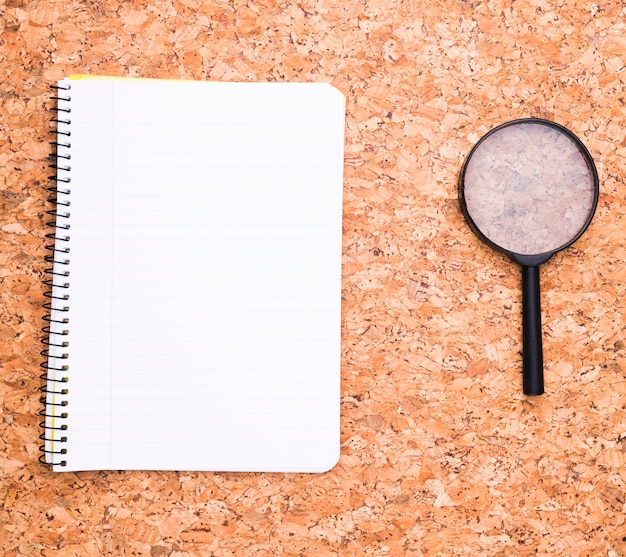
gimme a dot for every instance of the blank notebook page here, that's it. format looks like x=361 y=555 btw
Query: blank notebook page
x=204 y=287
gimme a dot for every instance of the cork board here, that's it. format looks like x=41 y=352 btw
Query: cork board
x=441 y=452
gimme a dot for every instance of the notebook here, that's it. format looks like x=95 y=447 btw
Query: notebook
x=194 y=311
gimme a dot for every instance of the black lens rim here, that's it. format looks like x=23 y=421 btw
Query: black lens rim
x=535 y=259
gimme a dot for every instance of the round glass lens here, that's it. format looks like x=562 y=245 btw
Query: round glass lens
x=529 y=188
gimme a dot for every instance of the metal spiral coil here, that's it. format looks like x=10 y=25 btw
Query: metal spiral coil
x=55 y=371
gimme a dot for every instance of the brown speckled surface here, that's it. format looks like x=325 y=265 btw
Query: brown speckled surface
x=441 y=453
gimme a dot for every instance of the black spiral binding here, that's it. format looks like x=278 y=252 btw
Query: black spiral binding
x=55 y=375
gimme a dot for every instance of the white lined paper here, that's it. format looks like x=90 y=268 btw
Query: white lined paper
x=205 y=248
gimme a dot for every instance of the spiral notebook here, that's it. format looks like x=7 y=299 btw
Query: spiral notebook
x=194 y=312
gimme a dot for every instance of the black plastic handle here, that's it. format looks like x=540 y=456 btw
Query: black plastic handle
x=531 y=331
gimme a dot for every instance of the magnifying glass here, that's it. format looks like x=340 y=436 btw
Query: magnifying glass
x=529 y=188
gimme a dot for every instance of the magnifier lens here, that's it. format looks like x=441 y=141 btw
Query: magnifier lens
x=529 y=188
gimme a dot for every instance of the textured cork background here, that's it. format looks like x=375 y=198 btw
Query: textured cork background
x=441 y=452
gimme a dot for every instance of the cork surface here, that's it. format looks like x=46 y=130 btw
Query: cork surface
x=441 y=452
